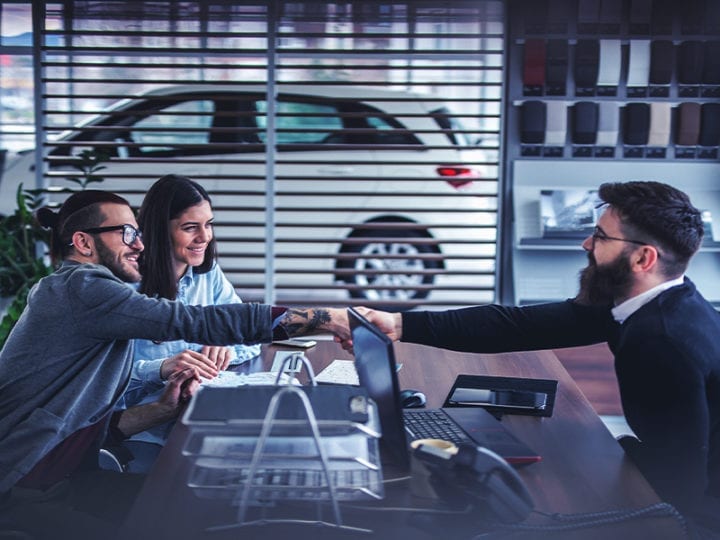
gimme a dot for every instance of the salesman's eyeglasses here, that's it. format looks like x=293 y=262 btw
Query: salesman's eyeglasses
x=599 y=234
x=129 y=233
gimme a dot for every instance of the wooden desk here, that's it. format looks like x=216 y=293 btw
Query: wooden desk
x=583 y=468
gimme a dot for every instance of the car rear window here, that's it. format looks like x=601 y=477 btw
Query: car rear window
x=300 y=123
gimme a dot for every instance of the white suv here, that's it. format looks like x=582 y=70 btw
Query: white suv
x=359 y=163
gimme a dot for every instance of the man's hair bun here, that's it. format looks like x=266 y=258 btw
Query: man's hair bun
x=46 y=217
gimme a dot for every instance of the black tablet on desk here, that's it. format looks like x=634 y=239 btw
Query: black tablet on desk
x=504 y=395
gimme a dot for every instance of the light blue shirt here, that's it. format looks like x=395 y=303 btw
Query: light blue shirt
x=146 y=385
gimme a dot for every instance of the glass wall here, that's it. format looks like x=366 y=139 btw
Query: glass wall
x=351 y=148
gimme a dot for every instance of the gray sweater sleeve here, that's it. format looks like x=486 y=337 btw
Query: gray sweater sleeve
x=105 y=308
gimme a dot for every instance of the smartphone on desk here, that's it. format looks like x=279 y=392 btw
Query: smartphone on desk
x=301 y=343
x=498 y=398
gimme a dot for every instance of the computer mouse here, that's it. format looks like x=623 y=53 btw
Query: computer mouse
x=412 y=398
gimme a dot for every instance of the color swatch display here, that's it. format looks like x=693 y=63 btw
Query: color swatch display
x=620 y=78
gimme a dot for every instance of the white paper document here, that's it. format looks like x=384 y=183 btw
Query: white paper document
x=339 y=372
x=231 y=379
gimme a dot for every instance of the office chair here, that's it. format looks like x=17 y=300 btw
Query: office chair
x=114 y=459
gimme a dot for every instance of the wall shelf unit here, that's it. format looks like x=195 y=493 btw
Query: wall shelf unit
x=607 y=91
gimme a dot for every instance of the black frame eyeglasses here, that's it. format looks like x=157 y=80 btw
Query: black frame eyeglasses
x=599 y=234
x=130 y=233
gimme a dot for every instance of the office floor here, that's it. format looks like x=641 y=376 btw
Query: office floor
x=592 y=369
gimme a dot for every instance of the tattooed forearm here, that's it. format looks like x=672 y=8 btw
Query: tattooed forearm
x=299 y=321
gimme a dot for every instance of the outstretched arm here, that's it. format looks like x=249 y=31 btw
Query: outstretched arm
x=302 y=321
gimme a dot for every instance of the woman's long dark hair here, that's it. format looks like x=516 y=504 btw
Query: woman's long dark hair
x=168 y=197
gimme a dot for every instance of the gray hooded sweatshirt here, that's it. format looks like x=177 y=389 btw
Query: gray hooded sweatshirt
x=68 y=359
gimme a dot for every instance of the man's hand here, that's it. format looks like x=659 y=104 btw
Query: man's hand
x=389 y=324
x=200 y=362
x=180 y=387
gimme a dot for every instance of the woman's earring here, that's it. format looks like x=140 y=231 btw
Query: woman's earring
x=88 y=253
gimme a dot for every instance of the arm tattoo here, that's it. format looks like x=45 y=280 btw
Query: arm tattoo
x=299 y=321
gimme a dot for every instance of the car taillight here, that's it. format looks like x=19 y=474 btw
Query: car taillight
x=457 y=176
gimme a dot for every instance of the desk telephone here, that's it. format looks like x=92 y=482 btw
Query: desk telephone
x=480 y=476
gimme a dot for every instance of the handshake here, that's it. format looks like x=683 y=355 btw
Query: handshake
x=306 y=321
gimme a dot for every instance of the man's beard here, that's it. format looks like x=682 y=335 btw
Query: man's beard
x=600 y=285
x=110 y=259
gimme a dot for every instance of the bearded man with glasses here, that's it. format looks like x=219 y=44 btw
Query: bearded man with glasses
x=68 y=360
x=664 y=335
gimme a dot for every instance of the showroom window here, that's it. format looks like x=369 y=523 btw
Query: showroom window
x=17 y=114
x=351 y=149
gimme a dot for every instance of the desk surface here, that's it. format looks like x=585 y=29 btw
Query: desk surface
x=583 y=468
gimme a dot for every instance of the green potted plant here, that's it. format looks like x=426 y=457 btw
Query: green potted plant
x=22 y=265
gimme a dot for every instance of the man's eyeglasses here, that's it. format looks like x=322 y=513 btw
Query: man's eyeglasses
x=129 y=233
x=599 y=234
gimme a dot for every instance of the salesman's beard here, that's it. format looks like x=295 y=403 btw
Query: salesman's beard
x=602 y=285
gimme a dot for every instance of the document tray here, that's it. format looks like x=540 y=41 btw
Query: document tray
x=226 y=438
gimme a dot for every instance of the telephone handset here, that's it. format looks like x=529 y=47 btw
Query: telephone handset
x=478 y=474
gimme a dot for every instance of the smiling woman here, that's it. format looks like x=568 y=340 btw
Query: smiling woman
x=178 y=263
x=174 y=211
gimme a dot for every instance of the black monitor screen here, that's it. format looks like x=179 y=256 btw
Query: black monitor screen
x=375 y=364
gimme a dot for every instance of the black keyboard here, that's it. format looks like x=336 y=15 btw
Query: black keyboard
x=433 y=424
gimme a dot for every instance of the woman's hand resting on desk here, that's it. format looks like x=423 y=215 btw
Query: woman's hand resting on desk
x=389 y=324
x=220 y=356
x=207 y=363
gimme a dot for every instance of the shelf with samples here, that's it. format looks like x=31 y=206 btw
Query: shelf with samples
x=554 y=211
x=604 y=91
x=591 y=81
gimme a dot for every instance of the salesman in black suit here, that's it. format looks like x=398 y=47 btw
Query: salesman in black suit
x=664 y=335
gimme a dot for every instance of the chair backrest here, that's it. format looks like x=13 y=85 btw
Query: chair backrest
x=109 y=461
